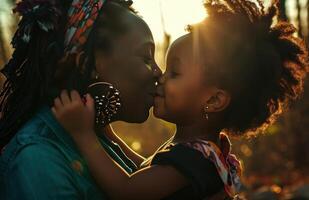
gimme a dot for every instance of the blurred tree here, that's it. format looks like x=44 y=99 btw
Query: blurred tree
x=307 y=22
x=299 y=19
x=3 y=52
x=282 y=10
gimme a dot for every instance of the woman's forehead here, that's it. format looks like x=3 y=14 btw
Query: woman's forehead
x=140 y=28
x=139 y=35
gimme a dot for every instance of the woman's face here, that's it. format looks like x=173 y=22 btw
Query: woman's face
x=132 y=70
x=179 y=93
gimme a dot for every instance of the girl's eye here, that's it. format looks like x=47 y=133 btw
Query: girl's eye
x=174 y=74
x=147 y=60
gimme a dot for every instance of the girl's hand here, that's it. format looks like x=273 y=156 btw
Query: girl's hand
x=75 y=115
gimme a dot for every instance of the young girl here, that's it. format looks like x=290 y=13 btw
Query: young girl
x=233 y=73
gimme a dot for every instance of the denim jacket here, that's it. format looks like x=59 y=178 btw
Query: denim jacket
x=42 y=162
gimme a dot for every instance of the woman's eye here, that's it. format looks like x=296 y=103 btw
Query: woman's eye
x=147 y=60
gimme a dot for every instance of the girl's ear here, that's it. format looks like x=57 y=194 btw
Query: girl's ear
x=218 y=100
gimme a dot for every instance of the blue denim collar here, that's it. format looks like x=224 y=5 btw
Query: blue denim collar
x=47 y=116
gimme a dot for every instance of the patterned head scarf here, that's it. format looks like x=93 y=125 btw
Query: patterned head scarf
x=45 y=14
x=81 y=16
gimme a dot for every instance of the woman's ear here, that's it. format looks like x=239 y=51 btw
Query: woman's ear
x=80 y=61
x=218 y=100
x=64 y=68
x=102 y=62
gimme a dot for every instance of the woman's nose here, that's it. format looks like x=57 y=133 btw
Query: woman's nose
x=157 y=72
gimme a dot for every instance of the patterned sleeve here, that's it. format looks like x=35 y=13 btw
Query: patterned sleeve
x=200 y=171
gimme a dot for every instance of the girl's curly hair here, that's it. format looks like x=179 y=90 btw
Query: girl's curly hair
x=256 y=57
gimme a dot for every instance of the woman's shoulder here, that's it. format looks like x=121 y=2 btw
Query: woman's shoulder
x=34 y=138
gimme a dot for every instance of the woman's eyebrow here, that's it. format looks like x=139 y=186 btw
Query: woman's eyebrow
x=146 y=45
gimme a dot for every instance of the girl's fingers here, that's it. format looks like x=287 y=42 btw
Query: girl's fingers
x=75 y=96
x=57 y=103
x=55 y=113
x=89 y=102
x=53 y=109
x=65 y=97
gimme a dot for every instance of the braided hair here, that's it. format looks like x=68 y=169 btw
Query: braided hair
x=256 y=57
x=32 y=73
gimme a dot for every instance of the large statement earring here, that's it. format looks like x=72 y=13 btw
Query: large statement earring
x=107 y=101
x=206 y=112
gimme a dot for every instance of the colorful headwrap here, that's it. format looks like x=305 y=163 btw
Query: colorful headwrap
x=45 y=15
x=228 y=167
x=81 y=16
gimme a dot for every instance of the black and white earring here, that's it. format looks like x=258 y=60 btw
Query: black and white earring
x=206 y=112
x=107 y=101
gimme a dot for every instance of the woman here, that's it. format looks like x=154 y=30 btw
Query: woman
x=39 y=160
x=206 y=91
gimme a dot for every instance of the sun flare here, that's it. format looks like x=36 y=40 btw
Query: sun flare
x=171 y=16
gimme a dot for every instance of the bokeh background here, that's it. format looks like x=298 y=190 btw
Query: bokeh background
x=276 y=162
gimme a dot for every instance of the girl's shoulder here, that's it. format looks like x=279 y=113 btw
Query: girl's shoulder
x=200 y=172
x=228 y=166
x=202 y=160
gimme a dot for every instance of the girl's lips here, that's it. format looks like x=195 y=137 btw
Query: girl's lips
x=156 y=94
x=159 y=92
x=153 y=94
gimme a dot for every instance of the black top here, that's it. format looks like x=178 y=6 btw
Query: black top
x=202 y=174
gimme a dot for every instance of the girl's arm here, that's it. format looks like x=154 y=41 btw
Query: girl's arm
x=133 y=155
x=154 y=182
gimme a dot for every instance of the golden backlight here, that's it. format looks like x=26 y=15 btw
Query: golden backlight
x=171 y=16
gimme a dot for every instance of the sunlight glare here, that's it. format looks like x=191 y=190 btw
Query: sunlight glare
x=136 y=146
x=171 y=15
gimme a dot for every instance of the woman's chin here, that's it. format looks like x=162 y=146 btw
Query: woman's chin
x=158 y=111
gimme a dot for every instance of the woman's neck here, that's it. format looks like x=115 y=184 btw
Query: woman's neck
x=186 y=133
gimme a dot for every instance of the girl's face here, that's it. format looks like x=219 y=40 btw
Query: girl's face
x=181 y=90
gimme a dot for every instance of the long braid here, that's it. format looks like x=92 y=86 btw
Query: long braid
x=31 y=72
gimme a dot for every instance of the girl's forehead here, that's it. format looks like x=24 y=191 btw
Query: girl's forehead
x=186 y=53
x=186 y=48
x=182 y=45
